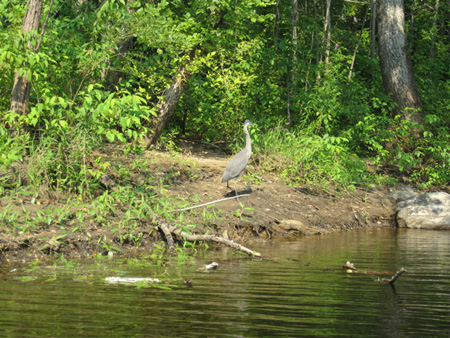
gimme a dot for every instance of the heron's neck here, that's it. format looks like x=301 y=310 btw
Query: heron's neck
x=248 y=141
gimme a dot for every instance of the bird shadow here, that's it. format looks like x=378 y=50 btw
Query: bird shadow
x=232 y=192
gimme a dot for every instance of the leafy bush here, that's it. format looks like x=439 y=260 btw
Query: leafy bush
x=301 y=157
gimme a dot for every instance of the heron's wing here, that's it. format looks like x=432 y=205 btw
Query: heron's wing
x=236 y=165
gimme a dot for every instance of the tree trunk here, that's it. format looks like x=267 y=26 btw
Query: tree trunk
x=357 y=45
x=291 y=79
x=124 y=44
x=373 y=5
x=326 y=40
x=21 y=89
x=434 y=31
x=276 y=27
x=327 y=31
x=171 y=96
x=166 y=106
x=395 y=62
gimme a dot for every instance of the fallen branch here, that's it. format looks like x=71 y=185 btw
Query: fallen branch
x=169 y=230
x=348 y=266
x=205 y=204
x=217 y=239
x=165 y=228
x=393 y=278
x=351 y=268
x=131 y=280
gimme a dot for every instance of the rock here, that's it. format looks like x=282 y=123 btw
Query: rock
x=291 y=224
x=425 y=211
x=402 y=193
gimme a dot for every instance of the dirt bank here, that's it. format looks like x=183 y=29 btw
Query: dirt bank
x=271 y=210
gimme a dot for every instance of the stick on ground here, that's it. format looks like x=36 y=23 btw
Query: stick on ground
x=205 y=204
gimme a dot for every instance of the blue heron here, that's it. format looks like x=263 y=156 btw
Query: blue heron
x=237 y=164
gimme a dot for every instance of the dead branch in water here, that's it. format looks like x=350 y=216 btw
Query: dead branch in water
x=170 y=229
x=351 y=268
x=205 y=204
x=394 y=278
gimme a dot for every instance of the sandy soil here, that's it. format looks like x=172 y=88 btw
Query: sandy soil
x=271 y=210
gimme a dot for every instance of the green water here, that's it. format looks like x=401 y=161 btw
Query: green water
x=298 y=290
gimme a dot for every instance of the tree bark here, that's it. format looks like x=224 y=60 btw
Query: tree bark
x=434 y=30
x=276 y=27
x=327 y=31
x=373 y=5
x=326 y=40
x=395 y=62
x=357 y=45
x=166 y=105
x=21 y=88
x=291 y=80
x=124 y=44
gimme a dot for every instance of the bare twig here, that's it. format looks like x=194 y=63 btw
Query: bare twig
x=205 y=204
x=394 y=278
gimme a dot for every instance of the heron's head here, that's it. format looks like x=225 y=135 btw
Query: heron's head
x=247 y=123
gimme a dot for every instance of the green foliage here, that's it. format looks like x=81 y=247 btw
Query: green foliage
x=301 y=157
x=103 y=67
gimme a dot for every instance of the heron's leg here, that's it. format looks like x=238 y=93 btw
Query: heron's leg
x=237 y=179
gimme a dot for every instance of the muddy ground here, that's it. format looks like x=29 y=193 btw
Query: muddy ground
x=271 y=210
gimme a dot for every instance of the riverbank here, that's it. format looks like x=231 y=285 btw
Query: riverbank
x=43 y=224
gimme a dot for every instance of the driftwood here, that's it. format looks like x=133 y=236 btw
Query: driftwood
x=130 y=280
x=351 y=268
x=205 y=204
x=170 y=229
x=348 y=266
x=393 y=278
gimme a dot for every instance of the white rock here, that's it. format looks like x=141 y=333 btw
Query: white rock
x=425 y=211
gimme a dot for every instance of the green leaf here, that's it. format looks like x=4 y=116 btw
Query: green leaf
x=63 y=124
x=110 y=136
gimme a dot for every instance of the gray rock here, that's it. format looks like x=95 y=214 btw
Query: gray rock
x=402 y=193
x=291 y=224
x=424 y=211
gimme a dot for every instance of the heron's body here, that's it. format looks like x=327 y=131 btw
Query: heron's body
x=237 y=164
